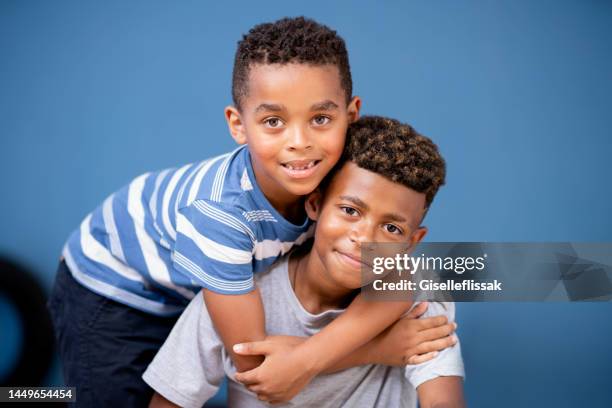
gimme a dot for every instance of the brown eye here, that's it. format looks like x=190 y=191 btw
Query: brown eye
x=272 y=123
x=321 y=120
x=349 y=211
x=393 y=229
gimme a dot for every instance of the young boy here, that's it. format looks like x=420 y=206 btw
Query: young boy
x=305 y=291
x=137 y=260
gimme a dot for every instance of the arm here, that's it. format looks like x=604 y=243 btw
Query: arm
x=158 y=401
x=361 y=322
x=411 y=340
x=215 y=248
x=441 y=392
x=439 y=381
x=238 y=319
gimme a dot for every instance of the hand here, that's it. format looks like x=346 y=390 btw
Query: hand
x=284 y=372
x=412 y=340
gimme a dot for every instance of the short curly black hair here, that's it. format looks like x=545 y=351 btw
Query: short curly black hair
x=395 y=151
x=289 y=40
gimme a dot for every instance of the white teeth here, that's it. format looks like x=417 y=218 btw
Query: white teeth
x=308 y=166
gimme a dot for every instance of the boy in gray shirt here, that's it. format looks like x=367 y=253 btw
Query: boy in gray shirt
x=379 y=192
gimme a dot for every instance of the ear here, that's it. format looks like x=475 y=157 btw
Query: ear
x=313 y=204
x=353 y=109
x=417 y=236
x=235 y=124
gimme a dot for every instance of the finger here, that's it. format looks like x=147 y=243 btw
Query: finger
x=438 y=332
x=262 y=397
x=247 y=377
x=254 y=388
x=417 y=311
x=421 y=358
x=254 y=348
x=436 y=345
x=432 y=322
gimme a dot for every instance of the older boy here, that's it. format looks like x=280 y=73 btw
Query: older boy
x=306 y=291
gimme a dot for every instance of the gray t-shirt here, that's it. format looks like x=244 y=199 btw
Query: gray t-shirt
x=191 y=364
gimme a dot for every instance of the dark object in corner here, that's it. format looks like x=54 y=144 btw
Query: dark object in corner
x=21 y=288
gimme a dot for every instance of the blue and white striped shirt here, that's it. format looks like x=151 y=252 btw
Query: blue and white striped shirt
x=153 y=244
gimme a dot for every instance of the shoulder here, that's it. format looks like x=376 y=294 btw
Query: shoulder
x=441 y=308
x=217 y=179
x=212 y=217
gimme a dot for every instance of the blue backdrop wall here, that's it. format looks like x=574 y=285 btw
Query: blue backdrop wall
x=515 y=93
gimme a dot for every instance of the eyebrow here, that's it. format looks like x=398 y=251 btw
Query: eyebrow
x=270 y=107
x=357 y=201
x=320 y=106
x=395 y=217
x=324 y=106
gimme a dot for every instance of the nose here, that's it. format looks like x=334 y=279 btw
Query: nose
x=299 y=139
x=361 y=232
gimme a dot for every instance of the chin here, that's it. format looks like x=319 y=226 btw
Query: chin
x=348 y=281
x=302 y=190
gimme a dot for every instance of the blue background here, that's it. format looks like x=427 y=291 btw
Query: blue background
x=515 y=93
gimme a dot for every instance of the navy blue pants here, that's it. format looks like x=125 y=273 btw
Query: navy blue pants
x=104 y=346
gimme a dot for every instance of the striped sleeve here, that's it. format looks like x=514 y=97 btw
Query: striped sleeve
x=214 y=247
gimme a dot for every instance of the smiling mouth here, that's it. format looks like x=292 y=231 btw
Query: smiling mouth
x=353 y=260
x=300 y=168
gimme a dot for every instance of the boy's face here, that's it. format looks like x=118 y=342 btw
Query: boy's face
x=360 y=206
x=294 y=119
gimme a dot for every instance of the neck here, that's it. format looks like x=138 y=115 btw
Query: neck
x=292 y=210
x=313 y=286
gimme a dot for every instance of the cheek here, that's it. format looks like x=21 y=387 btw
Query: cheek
x=261 y=143
x=265 y=148
x=331 y=226
x=333 y=140
x=334 y=144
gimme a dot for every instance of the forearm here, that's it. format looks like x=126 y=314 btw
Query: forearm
x=443 y=405
x=442 y=392
x=361 y=356
x=361 y=322
x=158 y=401
x=238 y=319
